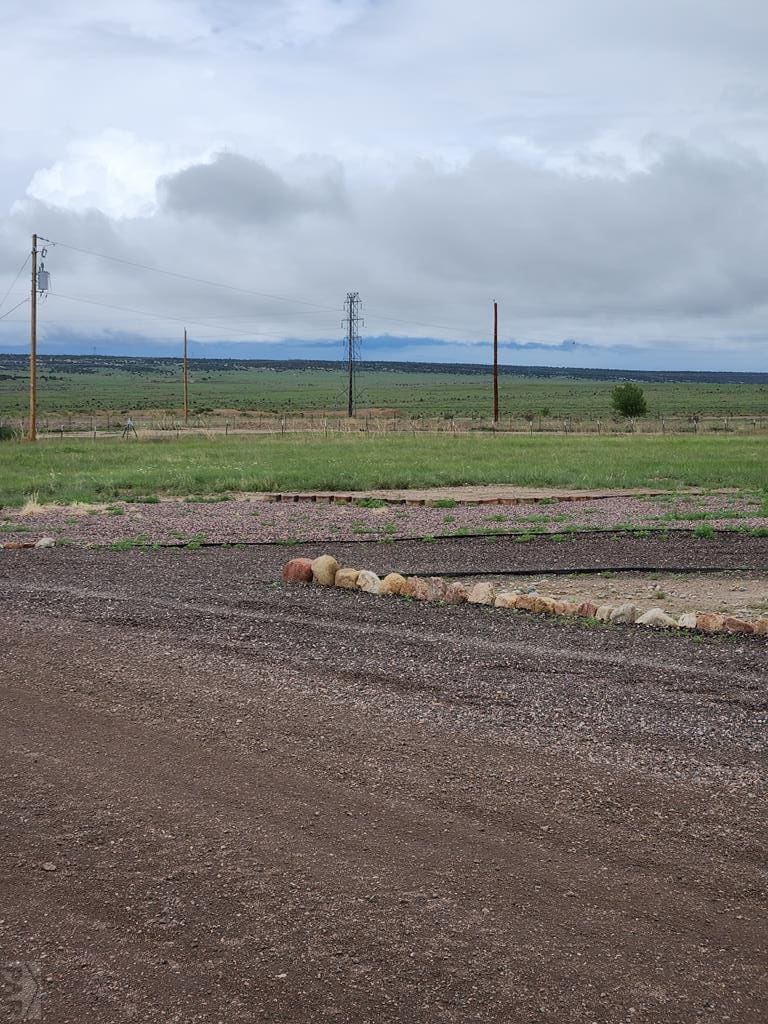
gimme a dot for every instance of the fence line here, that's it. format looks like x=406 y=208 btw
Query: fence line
x=111 y=425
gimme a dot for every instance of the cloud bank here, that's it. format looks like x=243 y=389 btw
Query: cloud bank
x=601 y=172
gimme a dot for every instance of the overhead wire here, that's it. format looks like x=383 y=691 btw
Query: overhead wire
x=251 y=291
x=158 y=316
x=12 y=309
x=18 y=275
x=188 y=277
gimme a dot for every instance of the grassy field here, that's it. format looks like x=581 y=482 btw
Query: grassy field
x=101 y=387
x=65 y=471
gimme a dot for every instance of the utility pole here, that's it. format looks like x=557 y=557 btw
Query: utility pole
x=495 y=363
x=32 y=434
x=186 y=379
x=353 y=319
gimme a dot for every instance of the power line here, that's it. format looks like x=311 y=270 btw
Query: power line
x=18 y=275
x=419 y=323
x=12 y=309
x=187 y=277
x=250 y=291
x=159 y=316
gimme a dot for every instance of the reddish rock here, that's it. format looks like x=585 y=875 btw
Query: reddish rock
x=761 y=627
x=567 y=607
x=298 y=570
x=587 y=609
x=414 y=587
x=733 y=625
x=456 y=593
x=709 y=622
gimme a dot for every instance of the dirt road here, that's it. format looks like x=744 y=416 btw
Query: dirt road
x=229 y=800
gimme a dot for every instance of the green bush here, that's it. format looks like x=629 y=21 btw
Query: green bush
x=628 y=400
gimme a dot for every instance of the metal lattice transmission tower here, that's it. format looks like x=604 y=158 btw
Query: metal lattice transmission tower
x=352 y=323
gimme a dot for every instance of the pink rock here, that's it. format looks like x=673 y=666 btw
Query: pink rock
x=298 y=570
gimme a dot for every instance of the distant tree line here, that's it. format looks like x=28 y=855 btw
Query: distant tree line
x=165 y=364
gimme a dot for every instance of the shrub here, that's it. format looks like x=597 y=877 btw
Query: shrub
x=628 y=400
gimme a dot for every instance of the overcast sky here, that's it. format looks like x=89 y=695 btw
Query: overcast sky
x=599 y=167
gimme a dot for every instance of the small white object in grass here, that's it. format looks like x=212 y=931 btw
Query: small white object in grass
x=46 y=542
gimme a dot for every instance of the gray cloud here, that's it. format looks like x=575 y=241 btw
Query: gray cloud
x=237 y=189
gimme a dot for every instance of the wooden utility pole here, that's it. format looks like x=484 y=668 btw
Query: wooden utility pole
x=32 y=433
x=186 y=379
x=495 y=363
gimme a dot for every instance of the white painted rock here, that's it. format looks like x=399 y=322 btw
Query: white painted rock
x=625 y=613
x=46 y=542
x=324 y=570
x=657 y=617
x=368 y=582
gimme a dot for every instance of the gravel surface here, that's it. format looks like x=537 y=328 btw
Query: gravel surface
x=249 y=521
x=229 y=799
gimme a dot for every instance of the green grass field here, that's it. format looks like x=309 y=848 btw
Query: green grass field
x=314 y=390
x=66 y=471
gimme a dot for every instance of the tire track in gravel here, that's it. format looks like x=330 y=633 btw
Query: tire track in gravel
x=553 y=661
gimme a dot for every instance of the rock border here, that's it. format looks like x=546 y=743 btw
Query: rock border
x=326 y=571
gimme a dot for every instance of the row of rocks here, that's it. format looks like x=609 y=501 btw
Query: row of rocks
x=327 y=572
x=18 y=545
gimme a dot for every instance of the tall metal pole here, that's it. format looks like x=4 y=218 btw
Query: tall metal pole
x=350 y=358
x=186 y=379
x=32 y=434
x=495 y=363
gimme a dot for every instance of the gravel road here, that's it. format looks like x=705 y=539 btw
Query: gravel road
x=226 y=799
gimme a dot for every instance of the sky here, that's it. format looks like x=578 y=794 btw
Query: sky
x=599 y=168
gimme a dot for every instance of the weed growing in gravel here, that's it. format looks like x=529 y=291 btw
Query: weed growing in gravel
x=196 y=542
x=443 y=503
x=140 y=543
x=704 y=532
x=370 y=503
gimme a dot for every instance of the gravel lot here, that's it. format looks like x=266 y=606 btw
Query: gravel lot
x=230 y=800
x=237 y=520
